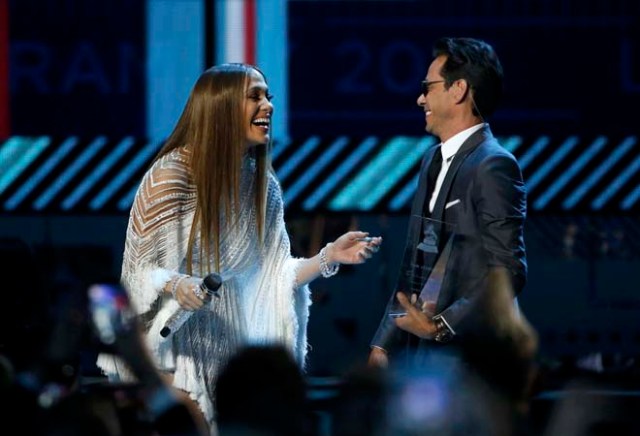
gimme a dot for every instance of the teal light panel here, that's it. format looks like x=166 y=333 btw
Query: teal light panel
x=552 y=162
x=16 y=155
x=46 y=168
x=561 y=181
x=143 y=156
x=381 y=173
x=312 y=172
x=596 y=175
x=43 y=200
x=345 y=168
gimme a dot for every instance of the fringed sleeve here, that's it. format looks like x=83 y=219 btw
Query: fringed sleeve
x=158 y=230
x=157 y=234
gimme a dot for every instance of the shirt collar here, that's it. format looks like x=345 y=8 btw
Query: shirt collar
x=453 y=144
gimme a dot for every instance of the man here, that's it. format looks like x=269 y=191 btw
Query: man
x=478 y=192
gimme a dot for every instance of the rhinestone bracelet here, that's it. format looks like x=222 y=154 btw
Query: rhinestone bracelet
x=325 y=269
x=176 y=282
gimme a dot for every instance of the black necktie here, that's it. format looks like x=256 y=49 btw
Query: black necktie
x=432 y=176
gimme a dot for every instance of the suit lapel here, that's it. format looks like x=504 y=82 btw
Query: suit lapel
x=471 y=143
x=415 y=227
x=418 y=204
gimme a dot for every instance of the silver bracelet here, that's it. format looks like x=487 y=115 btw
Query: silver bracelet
x=176 y=282
x=325 y=269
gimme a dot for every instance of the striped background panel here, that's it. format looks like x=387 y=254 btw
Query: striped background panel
x=338 y=174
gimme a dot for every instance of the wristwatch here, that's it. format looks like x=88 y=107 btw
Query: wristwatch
x=443 y=332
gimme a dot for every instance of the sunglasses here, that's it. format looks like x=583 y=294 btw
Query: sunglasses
x=426 y=85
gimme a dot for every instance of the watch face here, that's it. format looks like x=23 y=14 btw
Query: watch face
x=444 y=336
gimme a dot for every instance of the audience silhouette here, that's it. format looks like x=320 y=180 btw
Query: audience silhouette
x=48 y=326
x=262 y=391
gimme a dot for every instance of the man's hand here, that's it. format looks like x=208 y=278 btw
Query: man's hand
x=416 y=321
x=378 y=358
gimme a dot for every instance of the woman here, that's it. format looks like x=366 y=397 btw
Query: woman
x=211 y=203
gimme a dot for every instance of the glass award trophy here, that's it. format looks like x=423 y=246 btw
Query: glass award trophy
x=424 y=262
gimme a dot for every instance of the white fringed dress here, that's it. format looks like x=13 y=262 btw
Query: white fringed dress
x=259 y=301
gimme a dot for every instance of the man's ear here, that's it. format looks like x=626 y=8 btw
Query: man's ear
x=460 y=89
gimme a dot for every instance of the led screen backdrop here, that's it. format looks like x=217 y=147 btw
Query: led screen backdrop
x=77 y=67
x=94 y=87
x=355 y=67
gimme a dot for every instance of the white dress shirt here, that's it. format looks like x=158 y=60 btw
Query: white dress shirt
x=449 y=149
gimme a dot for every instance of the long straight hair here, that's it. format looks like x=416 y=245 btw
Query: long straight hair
x=213 y=126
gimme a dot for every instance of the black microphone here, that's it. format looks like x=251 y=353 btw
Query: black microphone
x=210 y=285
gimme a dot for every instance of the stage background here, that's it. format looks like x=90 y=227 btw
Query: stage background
x=89 y=90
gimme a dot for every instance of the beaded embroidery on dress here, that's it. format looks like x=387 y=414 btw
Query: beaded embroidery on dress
x=258 y=302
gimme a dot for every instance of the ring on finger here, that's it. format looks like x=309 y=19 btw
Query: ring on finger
x=198 y=292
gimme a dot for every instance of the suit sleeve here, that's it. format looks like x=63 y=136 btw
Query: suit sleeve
x=499 y=199
x=501 y=204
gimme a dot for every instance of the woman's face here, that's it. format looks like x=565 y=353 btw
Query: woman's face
x=258 y=110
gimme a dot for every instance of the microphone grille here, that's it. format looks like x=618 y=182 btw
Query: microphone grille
x=212 y=281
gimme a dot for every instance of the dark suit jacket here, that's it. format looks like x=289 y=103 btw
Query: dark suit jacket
x=488 y=220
